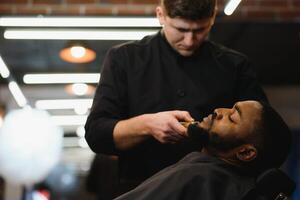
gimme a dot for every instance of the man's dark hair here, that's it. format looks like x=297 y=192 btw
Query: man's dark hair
x=274 y=139
x=189 y=9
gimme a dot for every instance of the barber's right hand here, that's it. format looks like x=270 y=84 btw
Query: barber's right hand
x=165 y=126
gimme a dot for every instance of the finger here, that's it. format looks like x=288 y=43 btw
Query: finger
x=172 y=139
x=176 y=135
x=166 y=137
x=181 y=132
x=182 y=115
x=178 y=129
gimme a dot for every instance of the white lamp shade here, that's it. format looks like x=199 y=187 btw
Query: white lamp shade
x=30 y=146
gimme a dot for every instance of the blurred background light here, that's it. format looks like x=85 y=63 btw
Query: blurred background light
x=231 y=6
x=77 y=52
x=61 y=78
x=79 y=22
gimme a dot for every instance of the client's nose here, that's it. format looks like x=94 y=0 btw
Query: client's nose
x=217 y=114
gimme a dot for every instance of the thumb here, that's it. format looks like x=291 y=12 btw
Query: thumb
x=183 y=116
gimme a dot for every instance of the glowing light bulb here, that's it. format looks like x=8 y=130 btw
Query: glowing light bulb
x=80 y=131
x=80 y=89
x=82 y=143
x=78 y=51
x=81 y=110
x=1 y=122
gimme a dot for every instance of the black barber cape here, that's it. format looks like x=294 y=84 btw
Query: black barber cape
x=196 y=176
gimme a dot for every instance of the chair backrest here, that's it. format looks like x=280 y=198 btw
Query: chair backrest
x=275 y=184
x=272 y=184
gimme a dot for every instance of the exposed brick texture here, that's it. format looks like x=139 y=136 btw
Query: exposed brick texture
x=80 y=1
x=47 y=2
x=155 y=2
x=61 y=10
x=6 y=10
x=128 y=10
x=24 y=10
x=14 y=1
x=282 y=10
x=273 y=3
x=114 y=1
x=98 y=10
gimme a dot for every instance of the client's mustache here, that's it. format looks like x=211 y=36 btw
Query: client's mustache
x=196 y=132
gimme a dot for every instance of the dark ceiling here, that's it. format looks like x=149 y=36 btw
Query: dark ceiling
x=273 y=47
x=42 y=56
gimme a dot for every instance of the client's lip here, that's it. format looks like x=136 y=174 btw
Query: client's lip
x=208 y=120
x=209 y=117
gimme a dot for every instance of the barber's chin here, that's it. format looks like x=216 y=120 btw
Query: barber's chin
x=185 y=53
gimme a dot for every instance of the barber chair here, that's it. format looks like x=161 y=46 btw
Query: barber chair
x=273 y=184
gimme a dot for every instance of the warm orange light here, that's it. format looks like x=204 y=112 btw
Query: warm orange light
x=77 y=53
x=2 y=113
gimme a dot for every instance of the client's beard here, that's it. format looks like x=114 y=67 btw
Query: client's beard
x=223 y=143
x=206 y=138
x=198 y=135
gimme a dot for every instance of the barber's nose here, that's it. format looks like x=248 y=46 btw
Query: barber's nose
x=189 y=39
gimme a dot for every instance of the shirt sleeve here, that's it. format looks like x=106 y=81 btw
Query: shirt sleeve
x=248 y=87
x=109 y=106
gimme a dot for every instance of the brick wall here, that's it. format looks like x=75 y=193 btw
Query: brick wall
x=274 y=10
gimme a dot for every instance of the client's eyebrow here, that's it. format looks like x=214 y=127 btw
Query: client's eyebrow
x=238 y=109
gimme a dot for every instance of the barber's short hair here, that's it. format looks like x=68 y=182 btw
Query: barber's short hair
x=274 y=139
x=189 y=9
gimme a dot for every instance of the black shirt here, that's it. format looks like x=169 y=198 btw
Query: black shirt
x=196 y=176
x=148 y=76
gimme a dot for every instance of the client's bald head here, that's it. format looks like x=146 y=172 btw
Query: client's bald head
x=251 y=134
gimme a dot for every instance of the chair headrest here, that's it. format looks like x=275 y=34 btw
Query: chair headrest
x=274 y=182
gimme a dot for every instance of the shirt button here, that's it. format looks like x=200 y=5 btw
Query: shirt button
x=181 y=93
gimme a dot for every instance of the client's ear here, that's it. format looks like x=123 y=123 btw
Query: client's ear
x=246 y=153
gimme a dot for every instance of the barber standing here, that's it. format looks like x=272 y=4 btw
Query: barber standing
x=148 y=87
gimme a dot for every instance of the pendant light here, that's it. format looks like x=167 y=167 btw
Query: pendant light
x=77 y=52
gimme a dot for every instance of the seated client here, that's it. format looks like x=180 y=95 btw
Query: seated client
x=242 y=142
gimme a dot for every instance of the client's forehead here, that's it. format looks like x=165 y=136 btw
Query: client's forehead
x=250 y=111
x=249 y=104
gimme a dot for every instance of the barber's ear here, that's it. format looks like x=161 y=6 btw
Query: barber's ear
x=160 y=15
x=213 y=18
x=246 y=153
